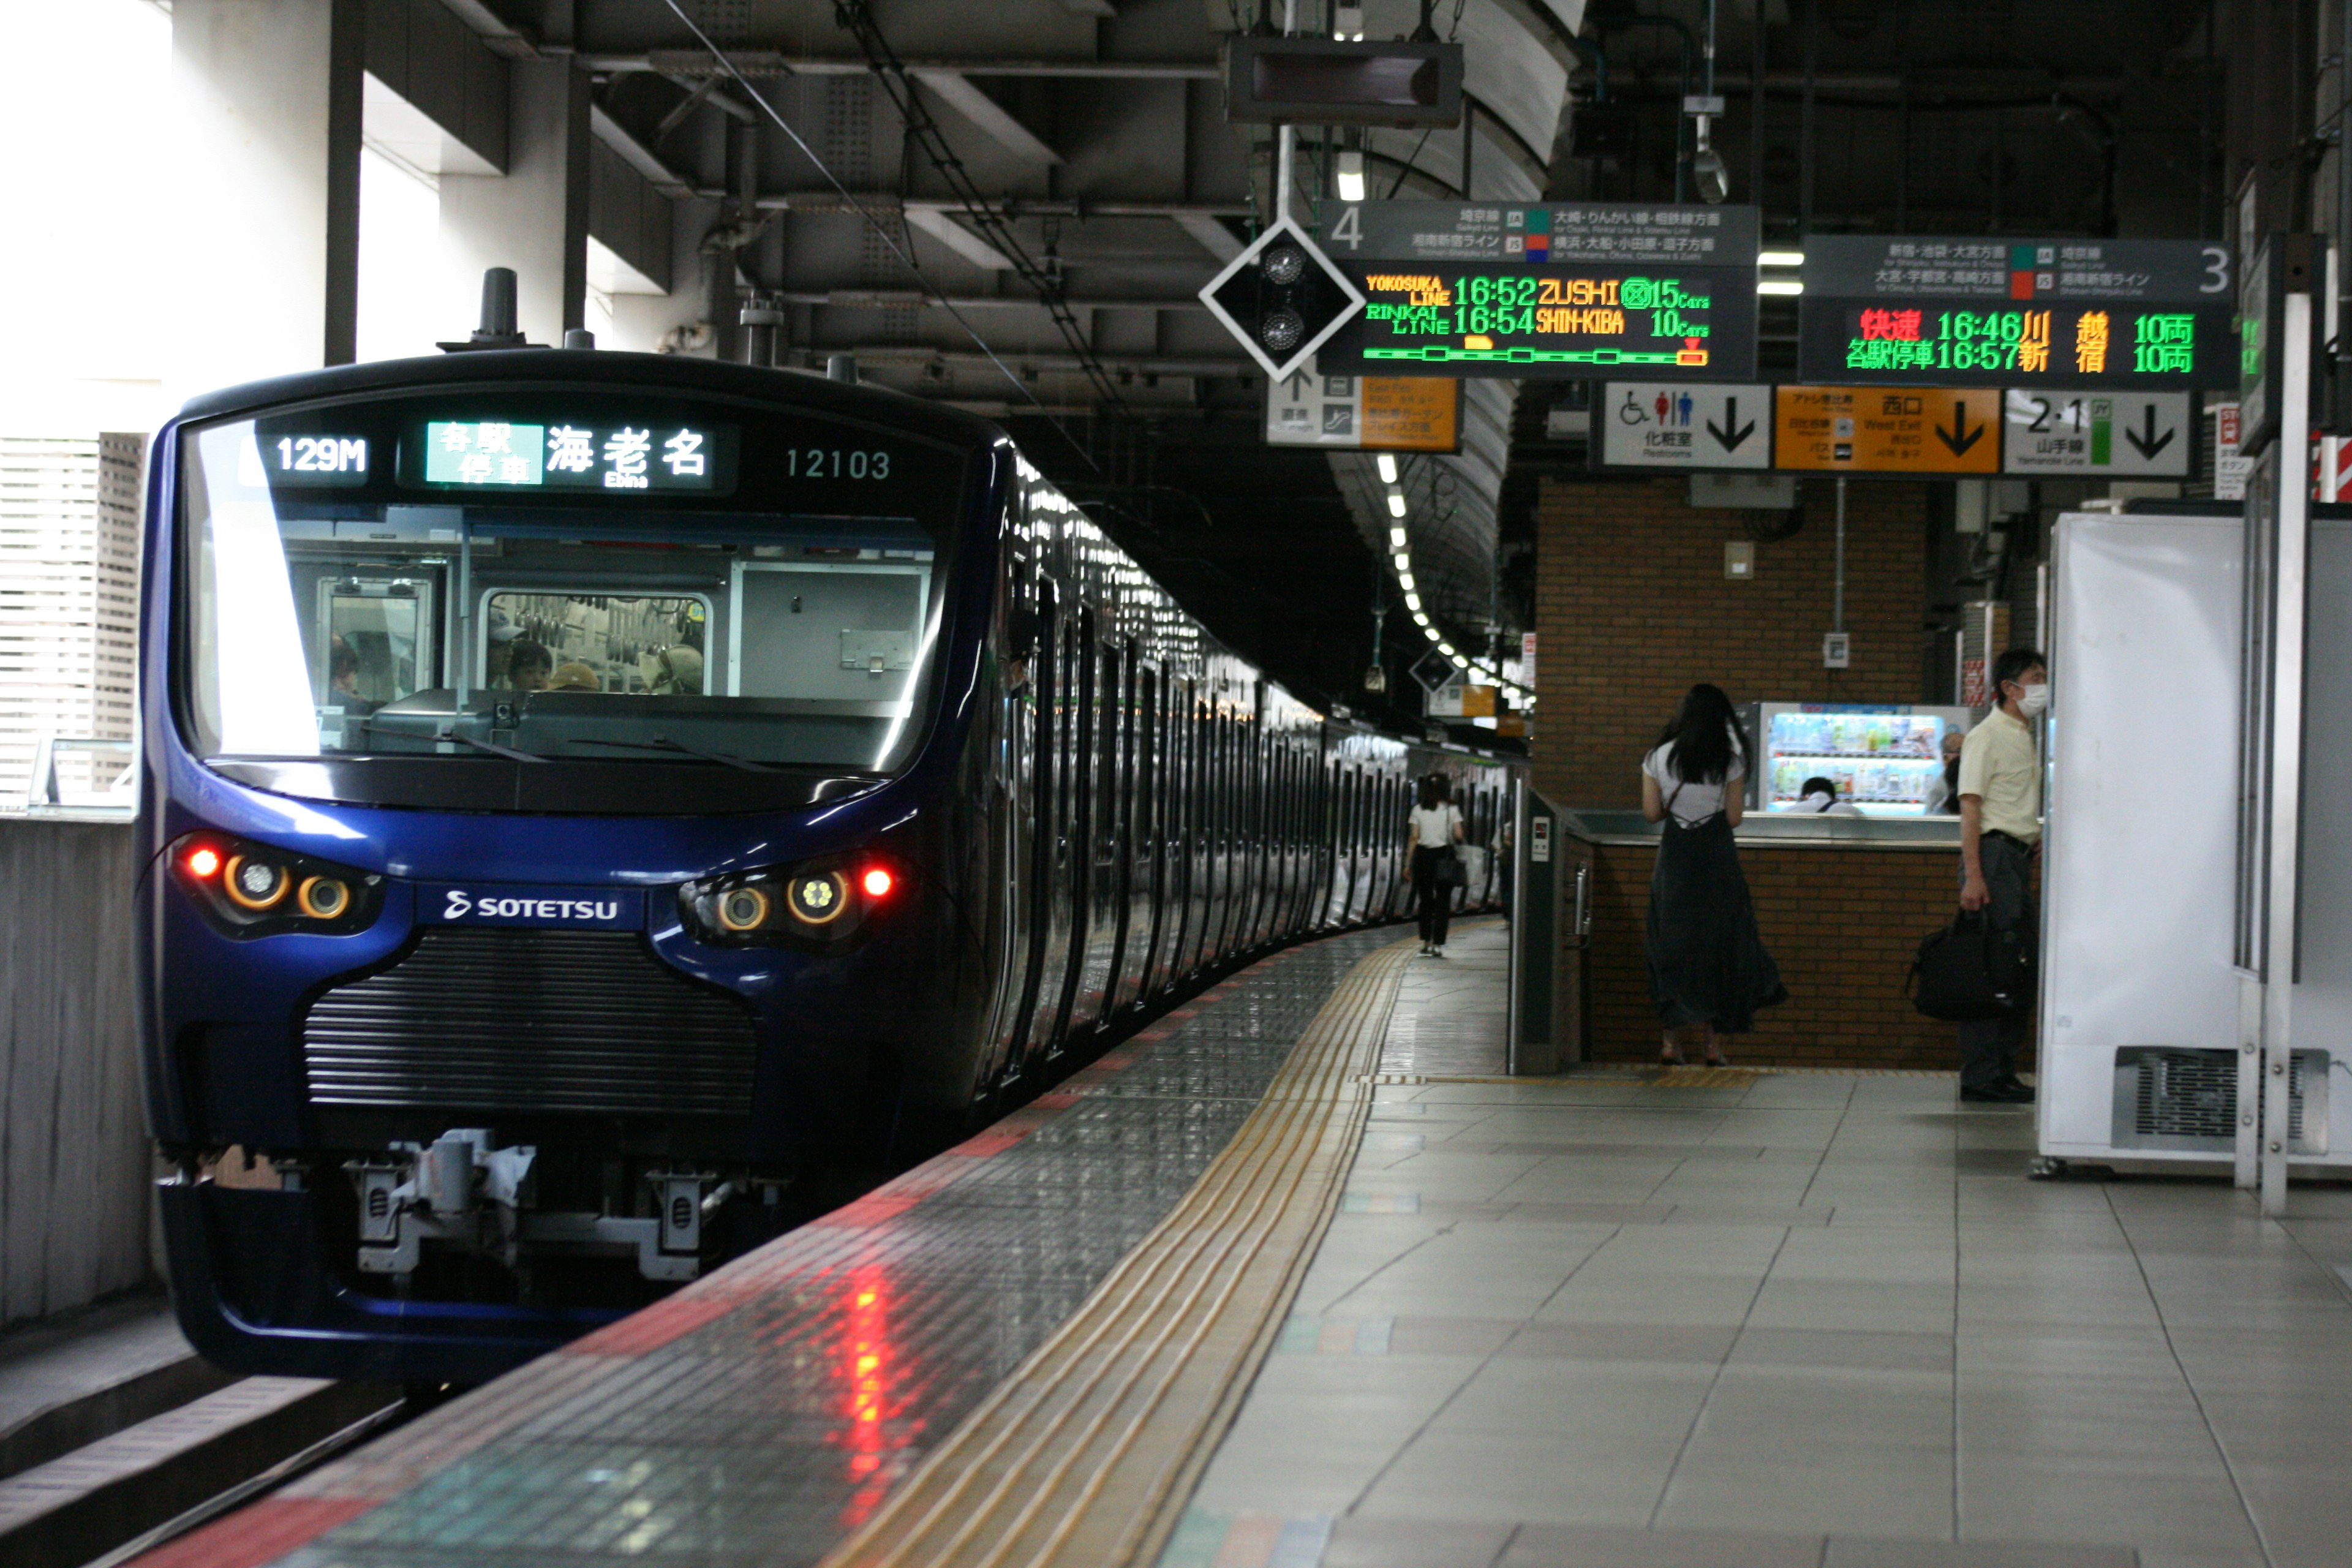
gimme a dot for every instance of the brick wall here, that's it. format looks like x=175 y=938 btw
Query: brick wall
x=1633 y=607
x=1842 y=924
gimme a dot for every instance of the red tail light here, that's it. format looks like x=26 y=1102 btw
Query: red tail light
x=877 y=882
x=203 y=862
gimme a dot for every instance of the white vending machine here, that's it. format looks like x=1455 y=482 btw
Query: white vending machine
x=1886 y=760
x=2139 y=1025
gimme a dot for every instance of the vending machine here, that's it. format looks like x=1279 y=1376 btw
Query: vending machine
x=1886 y=759
x=2140 y=1022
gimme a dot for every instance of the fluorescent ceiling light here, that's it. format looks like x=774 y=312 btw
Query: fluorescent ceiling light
x=1779 y=258
x=1351 y=177
x=1396 y=503
x=1396 y=537
x=1779 y=286
x=1413 y=603
x=1404 y=579
x=1388 y=469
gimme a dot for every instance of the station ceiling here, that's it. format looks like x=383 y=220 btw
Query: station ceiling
x=1094 y=132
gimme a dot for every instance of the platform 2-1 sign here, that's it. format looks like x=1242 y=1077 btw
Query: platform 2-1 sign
x=1923 y=430
x=1692 y=425
x=2094 y=434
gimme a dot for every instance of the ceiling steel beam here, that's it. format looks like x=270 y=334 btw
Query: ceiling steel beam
x=775 y=62
x=907 y=356
x=934 y=221
x=829 y=201
x=636 y=154
x=956 y=91
x=1212 y=235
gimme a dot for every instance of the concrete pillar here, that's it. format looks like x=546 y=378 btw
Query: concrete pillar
x=534 y=217
x=266 y=177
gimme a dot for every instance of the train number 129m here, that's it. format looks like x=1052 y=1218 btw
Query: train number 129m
x=321 y=455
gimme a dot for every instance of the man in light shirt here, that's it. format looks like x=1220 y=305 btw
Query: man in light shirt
x=2000 y=827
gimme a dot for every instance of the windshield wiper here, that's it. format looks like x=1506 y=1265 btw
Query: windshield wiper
x=664 y=744
x=491 y=746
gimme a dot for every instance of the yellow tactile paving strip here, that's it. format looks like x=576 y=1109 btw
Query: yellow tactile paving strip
x=1084 y=1456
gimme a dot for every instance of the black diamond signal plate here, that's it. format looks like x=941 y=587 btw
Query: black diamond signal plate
x=1282 y=297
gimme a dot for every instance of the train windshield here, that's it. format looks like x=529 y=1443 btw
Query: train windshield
x=606 y=583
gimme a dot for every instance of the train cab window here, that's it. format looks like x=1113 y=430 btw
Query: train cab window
x=593 y=642
x=765 y=590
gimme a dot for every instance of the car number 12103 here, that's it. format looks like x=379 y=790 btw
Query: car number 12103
x=835 y=463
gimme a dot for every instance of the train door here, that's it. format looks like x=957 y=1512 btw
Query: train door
x=1073 y=734
x=1039 y=827
x=1182 y=924
x=1011 y=818
x=1105 y=891
x=1138 y=934
x=1201 y=943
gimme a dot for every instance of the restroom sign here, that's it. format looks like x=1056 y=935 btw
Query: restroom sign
x=1696 y=426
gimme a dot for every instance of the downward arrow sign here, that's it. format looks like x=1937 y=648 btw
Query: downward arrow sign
x=1960 y=437
x=1731 y=432
x=2150 y=444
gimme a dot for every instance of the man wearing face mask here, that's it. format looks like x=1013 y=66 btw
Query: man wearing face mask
x=2001 y=826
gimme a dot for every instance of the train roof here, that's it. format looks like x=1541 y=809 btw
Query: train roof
x=681 y=373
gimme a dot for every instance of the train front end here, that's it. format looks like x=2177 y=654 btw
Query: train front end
x=550 y=803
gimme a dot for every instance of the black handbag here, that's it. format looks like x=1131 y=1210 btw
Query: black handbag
x=1969 y=971
x=1446 y=868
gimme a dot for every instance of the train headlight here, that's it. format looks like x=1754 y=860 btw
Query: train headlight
x=745 y=909
x=254 y=884
x=819 y=900
x=817 y=903
x=253 y=890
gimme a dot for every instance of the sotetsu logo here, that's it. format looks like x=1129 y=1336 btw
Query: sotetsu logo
x=460 y=904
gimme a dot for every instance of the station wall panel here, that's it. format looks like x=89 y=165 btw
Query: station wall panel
x=1632 y=606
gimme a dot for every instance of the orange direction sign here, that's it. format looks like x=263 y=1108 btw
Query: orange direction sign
x=1887 y=429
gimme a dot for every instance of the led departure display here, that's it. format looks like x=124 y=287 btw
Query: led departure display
x=625 y=456
x=2077 y=313
x=1536 y=320
x=1552 y=291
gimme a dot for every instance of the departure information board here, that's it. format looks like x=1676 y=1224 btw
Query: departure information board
x=1545 y=293
x=2153 y=315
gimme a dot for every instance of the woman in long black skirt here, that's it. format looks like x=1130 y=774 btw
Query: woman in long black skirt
x=1708 y=969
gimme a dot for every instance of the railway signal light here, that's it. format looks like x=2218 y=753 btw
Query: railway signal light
x=1282 y=298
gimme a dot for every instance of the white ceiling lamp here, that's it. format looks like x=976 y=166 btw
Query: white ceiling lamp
x=1404 y=579
x=1388 y=469
x=1779 y=258
x=1396 y=503
x=1396 y=538
x=1349 y=176
x=1779 y=285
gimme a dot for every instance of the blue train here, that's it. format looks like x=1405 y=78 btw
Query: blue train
x=583 y=794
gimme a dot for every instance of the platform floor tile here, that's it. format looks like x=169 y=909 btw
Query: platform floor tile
x=1814 y=1318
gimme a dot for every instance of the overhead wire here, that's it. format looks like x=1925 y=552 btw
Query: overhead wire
x=995 y=226
x=906 y=257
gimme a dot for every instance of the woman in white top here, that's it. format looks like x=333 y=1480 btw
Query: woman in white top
x=1432 y=830
x=1708 y=969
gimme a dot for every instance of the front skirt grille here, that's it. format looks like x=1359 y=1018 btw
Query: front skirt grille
x=535 y=1021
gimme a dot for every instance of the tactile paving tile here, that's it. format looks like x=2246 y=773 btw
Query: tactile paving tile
x=762 y=1413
